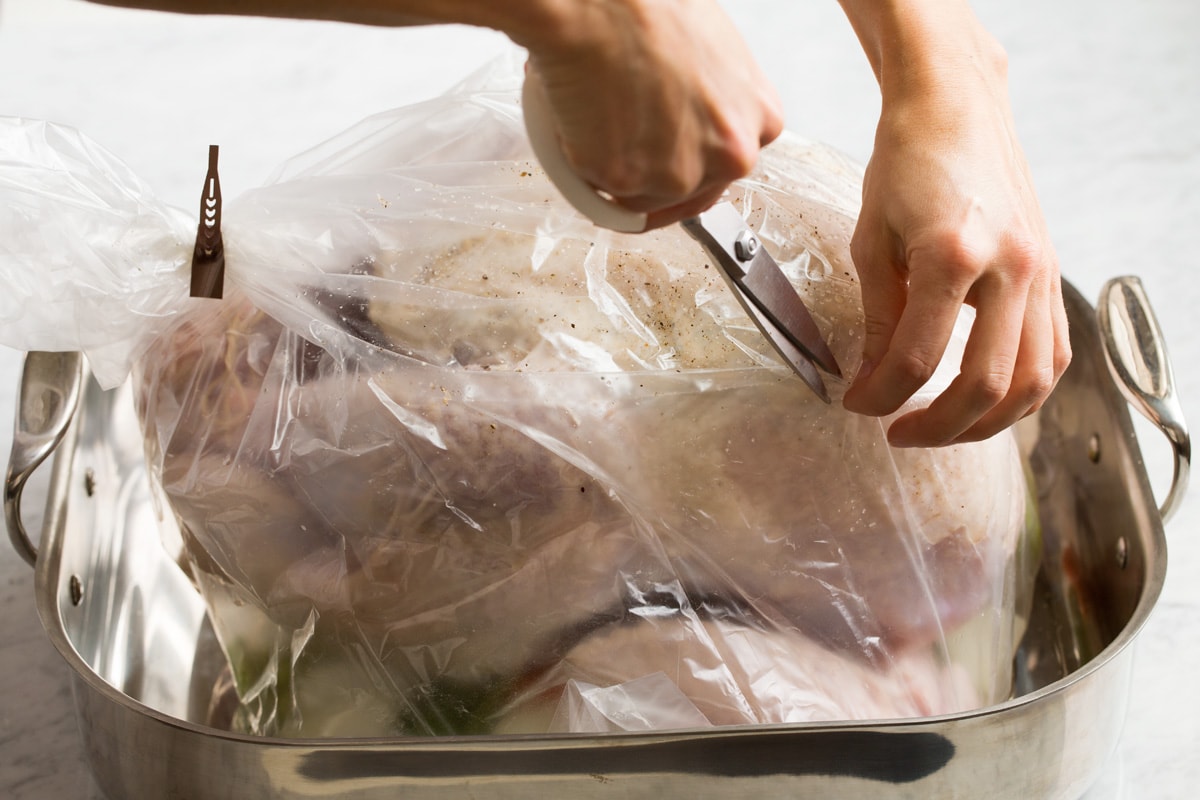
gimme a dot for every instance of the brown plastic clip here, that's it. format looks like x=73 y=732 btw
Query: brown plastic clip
x=208 y=257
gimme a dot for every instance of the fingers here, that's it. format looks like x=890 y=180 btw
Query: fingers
x=661 y=111
x=702 y=201
x=981 y=392
x=694 y=179
x=716 y=185
x=1017 y=350
x=908 y=325
x=1042 y=358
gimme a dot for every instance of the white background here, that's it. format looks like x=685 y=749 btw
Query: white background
x=1106 y=103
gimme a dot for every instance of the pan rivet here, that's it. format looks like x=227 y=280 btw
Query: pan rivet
x=1094 y=448
x=745 y=246
x=1122 y=552
x=76 y=588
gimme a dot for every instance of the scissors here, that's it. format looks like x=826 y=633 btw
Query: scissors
x=751 y=273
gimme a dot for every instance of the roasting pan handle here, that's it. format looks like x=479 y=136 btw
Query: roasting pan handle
x=1137 y=359
x=47 y=397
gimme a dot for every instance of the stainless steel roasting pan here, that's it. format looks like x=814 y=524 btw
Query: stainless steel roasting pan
x=147 y=671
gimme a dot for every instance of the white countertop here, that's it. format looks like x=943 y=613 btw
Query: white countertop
x=1107 y=104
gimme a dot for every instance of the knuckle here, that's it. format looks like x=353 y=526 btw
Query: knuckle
x=772 y=122
x=1038 y=386
x=965 y=258
x=624 y=178
x=1026 y=258
x=991 y=388
x=772 y=128
x=637 y=177
x=858 y=252
x=874 y=265
x=860 y=249
x=917 y=367
x=997 y=59
x=736 y=159
x=961 y=260
x=876 y=325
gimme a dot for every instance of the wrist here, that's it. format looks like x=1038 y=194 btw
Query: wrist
x=533 y=24
x=571 y=27
x=523 y=21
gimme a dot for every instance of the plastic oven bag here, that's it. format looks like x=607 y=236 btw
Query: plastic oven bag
x=448 y=459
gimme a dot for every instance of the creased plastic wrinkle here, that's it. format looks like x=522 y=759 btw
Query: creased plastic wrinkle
x=448 y=459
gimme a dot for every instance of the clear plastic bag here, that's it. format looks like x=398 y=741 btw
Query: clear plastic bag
x=448 y=459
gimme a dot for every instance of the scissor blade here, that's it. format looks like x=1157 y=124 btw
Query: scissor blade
x=799 y=361
x=756 y=277
x=772 y=292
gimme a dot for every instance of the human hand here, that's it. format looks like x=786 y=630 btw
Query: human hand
x=950 y=216
x=658 y=103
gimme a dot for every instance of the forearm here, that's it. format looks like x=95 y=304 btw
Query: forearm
x=520 y=20
x=659 y=103
x=924 y=45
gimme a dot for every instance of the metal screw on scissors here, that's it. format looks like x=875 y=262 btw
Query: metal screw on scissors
x=745 y=246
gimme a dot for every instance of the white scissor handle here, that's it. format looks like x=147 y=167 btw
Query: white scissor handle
x=578 y=192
